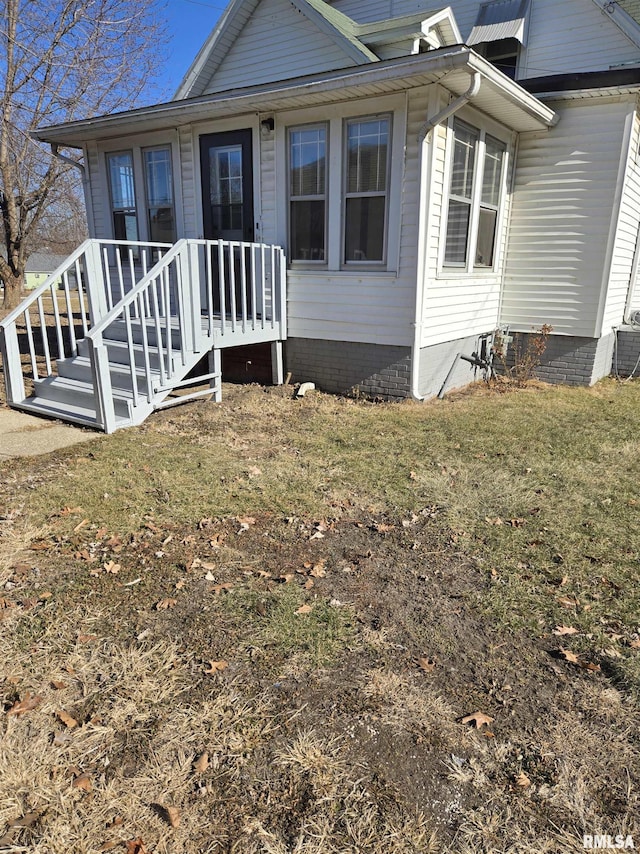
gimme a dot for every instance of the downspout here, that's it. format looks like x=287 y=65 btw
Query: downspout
x=83 y=172
x=426 y=133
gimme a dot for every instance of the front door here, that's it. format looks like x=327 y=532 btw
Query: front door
x=227 y=185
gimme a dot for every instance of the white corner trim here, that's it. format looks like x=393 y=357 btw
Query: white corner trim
x=624 y=22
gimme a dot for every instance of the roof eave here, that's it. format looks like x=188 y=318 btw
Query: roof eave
x=449 y=66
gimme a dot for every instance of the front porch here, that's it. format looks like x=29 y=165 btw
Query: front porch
x=130 y=322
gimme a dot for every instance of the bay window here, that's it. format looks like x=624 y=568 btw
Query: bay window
x=475 y=195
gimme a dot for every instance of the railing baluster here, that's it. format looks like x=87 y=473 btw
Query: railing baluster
x=254 y=309
x=107 y=276
x=70 y=319
x=32 y=347
x=167 y=300
x=132 y=354
x=45 y=338
x=180 y=309
x=83 y=310
x=119 y=270
x=158 y=328
x=232 y=285
x=263 y=285
x=243 y=285
x=273 y=287
x=56 y=315
x=208 y=248
x=222 y=287
x=145 y=343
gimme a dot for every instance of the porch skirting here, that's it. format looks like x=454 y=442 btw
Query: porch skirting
x=347 y=367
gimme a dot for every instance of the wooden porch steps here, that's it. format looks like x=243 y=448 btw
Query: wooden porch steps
x=81 y=357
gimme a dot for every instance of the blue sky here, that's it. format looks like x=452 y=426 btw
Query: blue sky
x=190 y=22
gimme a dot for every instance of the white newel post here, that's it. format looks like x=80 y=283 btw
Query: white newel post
x=185 y=298
x=96 y=293
x=11 y=364
x=105 y=411
x=283 y=295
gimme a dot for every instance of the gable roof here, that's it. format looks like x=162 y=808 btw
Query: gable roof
x=352 y=38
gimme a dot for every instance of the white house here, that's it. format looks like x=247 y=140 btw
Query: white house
x=430 y=174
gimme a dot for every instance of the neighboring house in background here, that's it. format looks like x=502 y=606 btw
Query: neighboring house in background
x=40 y=265
x=432 y=175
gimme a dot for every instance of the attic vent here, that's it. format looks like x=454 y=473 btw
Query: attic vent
x=500 y=19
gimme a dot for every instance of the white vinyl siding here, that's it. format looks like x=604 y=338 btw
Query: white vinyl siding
x=456 y=303
x=622 y=262
x=277 y=43
x=352 y=305
x=567 y=36
x=563 y=206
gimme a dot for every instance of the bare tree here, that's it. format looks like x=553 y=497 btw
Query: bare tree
x=64 y=60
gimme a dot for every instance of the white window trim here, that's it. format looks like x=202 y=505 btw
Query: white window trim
x=136 y=145
x=335 y=115
x=485 y=127
x=299 y=262
x=366 y=265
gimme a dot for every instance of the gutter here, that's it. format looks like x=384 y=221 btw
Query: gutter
x=426 y=134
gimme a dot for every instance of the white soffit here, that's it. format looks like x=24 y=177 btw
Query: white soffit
x=500 y=19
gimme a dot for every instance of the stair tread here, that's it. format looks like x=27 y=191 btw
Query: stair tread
x=82 y=386
x=116 y=367
x=65 y=412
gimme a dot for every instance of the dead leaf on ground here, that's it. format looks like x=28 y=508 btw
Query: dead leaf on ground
x=478 y=719
x=635 y=644
x=66 y=719
x=82 y=638
x=523 y=781
x=173 y=816
x=565 y=630
x=80 y=526
x=304 y=609
x=136 y=846
x=202 y=763
x=165 y=604
x=41 y=545
x=245 y=522
x=568 y=601
x=427 y=665
x=383 y=528
x=112 y=567
x=57 y=685
x=216 y=667
x=318 y=570
x=68 y=511
x=494 y=521
x=27 y=704
x=567 y=655
x=317 y=536
x=83 y=782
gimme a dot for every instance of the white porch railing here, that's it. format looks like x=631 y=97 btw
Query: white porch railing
x=48 y=324
x=139 y=317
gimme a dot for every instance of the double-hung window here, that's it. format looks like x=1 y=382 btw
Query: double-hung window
x=123 y=195
x=159 y=195
x=366 y=189
x=475 y=192
x=307 y=192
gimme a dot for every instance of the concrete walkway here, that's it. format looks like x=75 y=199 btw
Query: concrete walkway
x=22 y=435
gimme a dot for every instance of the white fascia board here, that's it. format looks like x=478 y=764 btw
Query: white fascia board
x=625 y=23
x=350 y=44
x=449 y=66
